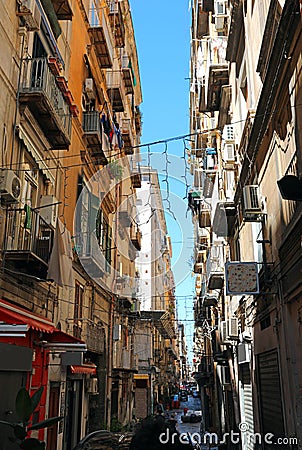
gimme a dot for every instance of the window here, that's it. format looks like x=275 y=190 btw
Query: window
x=104 y=236
x=94 y=11
x=78 y=310
x=270 y=32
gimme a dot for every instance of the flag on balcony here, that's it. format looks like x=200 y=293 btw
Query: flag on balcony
x=60 y=262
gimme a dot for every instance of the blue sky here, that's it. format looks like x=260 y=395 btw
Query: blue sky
x=162 y=31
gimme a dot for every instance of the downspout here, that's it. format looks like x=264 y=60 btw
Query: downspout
x=234 y=387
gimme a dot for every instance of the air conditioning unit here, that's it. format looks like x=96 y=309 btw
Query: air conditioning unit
x=117 y=332
x=10 y=186
x=89 y=88
x=49 y=209
x=213 y=123
x=252 y=199
x=209 y=162
x=232 y=328
x=225 y=375
x=243 y=353
x=30 y=12
x=219 y=23
x=91 y=385
x=228 y=133
x=229 y=153
x=224 y=331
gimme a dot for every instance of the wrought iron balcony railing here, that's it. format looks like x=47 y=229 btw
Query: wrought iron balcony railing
x=40 y=90
x=28 y=241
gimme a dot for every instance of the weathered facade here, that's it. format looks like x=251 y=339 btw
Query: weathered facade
x=246 y=86
x=156 y=335
x=69 y=119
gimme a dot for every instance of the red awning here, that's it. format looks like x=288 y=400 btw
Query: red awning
x=59 y=336
x=85 y=368
x=13 y=314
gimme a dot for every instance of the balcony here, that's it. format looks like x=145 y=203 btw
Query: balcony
x=91 y=256
x=114 y=90
x=136 y=237
x=136 y=177
x=198 y=268
x=94 y=337
x=215 y=268
x=204 y=375
x=224 y=218
x=39 y=90
x=217 y=73
x=101 y=37
x=218 y=76
x=127 y=74
x=208 y=183
x=207 y=5
x=28 y=242
x=200 y=253
x=127 y=136
x=93 y=136
x=209 y=300
x=202 y=27
x=125 y=213
x=125 y=360
x=117 y=22
x=204 y=218
x=201 y=313
x=206 y=367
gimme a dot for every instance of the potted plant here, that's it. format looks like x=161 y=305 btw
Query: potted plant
x=25 y=407
x=54 y=65
x=62 y=84
x=74 y=110
x=68 y=97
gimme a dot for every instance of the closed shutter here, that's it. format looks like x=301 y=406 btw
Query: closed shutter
x=248 y=403
x=270 y=395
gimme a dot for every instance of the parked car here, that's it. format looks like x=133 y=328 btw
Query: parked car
x=192 y=416
x=183 y=396
x=105 y=440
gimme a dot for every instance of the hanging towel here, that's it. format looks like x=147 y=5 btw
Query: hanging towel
x=60 y=262
x=27 y=221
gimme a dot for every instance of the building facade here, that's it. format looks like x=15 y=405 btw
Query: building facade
x=70 y=96
x=245 y=202
x=157 y=339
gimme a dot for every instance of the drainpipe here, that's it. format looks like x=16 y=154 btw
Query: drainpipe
x=22 y=32
x=111 y=319
x=234 y=388
x=109 y=364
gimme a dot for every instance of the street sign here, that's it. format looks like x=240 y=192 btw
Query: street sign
x=241 y=278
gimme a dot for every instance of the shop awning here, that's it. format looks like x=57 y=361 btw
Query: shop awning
x=12 y=314
x=88 y=369
x=163 y=322
x=59 y=336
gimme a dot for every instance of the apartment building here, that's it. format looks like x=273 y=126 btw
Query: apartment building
x=246 y=209
x=158 y=353
x=69 y=114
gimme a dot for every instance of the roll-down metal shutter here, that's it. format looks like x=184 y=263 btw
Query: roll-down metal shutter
x=270 y=395
x=248 y=403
